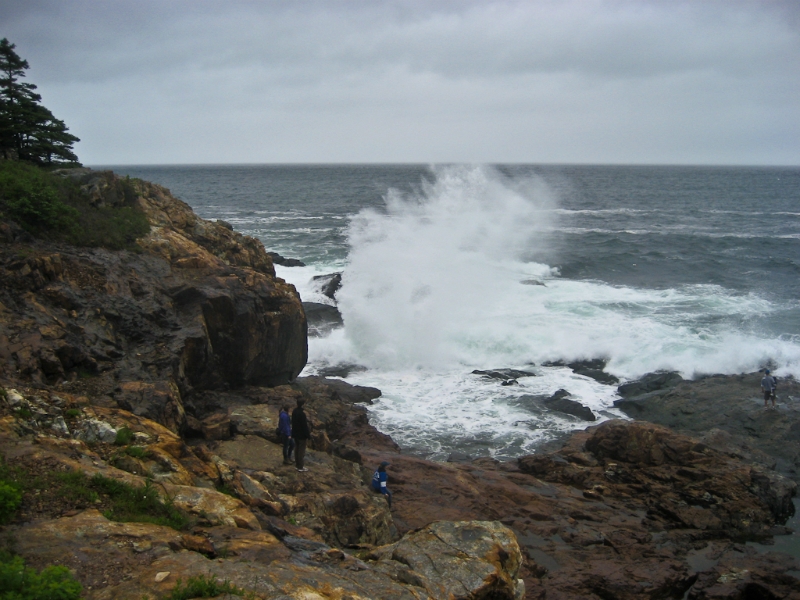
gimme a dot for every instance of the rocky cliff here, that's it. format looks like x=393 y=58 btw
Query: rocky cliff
x=197 y=307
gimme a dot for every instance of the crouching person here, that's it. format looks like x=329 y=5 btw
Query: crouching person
x=379 y=480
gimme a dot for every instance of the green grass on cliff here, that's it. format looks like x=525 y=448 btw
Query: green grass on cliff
x=10 y=494
x=142 y=504
x=48 y=492
x=124 y=437
x=50 y=206
x=205 y=586
x=10 y=500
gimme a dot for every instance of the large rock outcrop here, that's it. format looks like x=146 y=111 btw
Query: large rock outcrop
x=726 y=410
x=623 y=510
x=199 y=307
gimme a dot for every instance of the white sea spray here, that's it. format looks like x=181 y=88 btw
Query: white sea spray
x=435 y=286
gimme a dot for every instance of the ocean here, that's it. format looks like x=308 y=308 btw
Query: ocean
x=453 y=268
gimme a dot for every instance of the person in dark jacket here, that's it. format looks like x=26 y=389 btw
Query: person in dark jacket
x=379 y=480
x=769 y=385
x=285 y=429
x=302 y=433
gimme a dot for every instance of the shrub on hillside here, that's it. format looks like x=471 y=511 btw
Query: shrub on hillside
x=205 y=586
x=124 y=436
x=10 y=499
x=33 y=198
x=18 y=582
x=48 y=205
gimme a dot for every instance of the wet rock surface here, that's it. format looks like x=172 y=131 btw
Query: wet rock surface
x=561 y=402
x=727 y=410
x=594 y=369
x=620 y=525
x=322 y=318
x=328 y=285
x=503 y=374
x=285 y=262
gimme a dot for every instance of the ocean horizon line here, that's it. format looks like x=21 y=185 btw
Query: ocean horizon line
x=441 y=164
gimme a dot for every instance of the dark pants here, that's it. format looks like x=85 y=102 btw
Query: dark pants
x=288 y=448
x=769 y=394
x=387 y=495
x=299 y=452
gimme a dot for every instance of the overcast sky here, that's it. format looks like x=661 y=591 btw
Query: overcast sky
x=581 y=81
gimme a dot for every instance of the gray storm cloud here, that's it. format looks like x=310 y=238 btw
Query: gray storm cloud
x=581 y=81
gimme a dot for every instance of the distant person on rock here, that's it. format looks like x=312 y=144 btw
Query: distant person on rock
x=302 y=433
x=769 y=385
x=285 y=429
x=379 y=480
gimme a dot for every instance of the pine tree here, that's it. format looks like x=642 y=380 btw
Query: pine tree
x=28 y=130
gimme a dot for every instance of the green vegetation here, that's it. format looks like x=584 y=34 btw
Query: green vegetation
x=119 y=501
x=116 y=227
x=10 y=492
x=226 y=489
x=124 y=437
x=74 y=486
x=49 y=205
x=18 y=582
x=141 y=504
x=41 y=202
x=23 y=413
x=33 y=197
x=137 y=452
x=28 y=130
x=84 y=373
x=205 y=586
x=126 y=503
x=72 y=413
x=10 y=499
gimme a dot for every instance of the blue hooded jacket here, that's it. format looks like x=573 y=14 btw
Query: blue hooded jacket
x=285 y=424
x=379 y=480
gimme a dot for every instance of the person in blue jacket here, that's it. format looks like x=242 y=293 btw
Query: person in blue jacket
x=285 y=429
x=379 y=480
